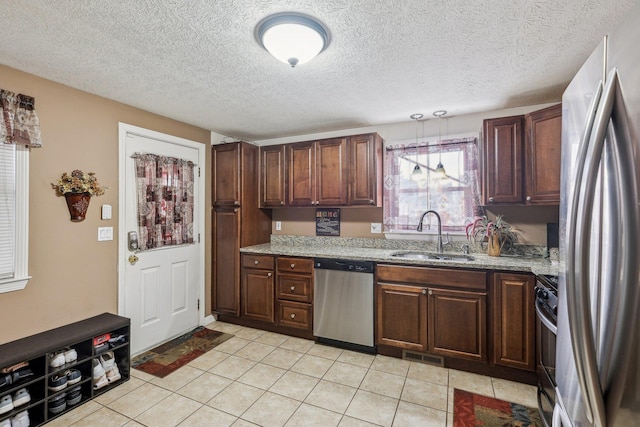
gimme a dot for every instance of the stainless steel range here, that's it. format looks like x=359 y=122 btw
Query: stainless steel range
x=546 y=330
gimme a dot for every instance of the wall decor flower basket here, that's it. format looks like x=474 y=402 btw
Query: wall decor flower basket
x=77 y=188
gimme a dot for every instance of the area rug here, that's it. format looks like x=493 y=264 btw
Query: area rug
x=166 y=358
x=472 y=410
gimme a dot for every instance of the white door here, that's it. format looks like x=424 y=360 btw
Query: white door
x=161 y=289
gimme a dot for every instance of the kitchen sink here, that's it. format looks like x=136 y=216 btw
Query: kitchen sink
x=431 y=256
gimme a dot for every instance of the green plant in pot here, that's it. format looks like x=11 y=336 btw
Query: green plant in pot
x=498 y=234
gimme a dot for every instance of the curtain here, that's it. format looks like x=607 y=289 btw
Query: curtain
x=164 y=187
x=20 y=124
x=457 y=199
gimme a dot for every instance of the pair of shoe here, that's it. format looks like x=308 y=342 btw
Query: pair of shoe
x=73 y=396
x=20 y=397
x=57 y=403
x=61 y=381
x=59 y=358
x=105 y=370
x=21 y=419
x=14 y=377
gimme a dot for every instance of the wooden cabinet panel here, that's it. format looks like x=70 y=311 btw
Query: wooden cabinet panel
x=365 y=170
x=226 y=175
x=264 y=262
x=272 y=165
x=542 y=159
x=401 y=316
x=294 y=288
x=426 y=276
x=295 y=265
x=295 y=315
x=331 y=172
x=514 y=320
x=301 y=158
x=226 y=259
x=457 y=324
x=257 y=294
x=503 y=160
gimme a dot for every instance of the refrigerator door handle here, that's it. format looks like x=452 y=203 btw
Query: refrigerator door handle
x=571 y=280
x=580 y=311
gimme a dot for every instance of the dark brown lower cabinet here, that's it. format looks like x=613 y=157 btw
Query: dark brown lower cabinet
x=258 y=287
x=457 y=324
x=402 y=316
x=514 y=320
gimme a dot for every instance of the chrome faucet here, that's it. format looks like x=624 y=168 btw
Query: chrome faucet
x=439 y=227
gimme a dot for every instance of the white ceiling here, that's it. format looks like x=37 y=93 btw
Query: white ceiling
x=197 y=60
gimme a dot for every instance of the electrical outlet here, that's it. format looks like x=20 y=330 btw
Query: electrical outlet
x=376 y=228
x=278 y=225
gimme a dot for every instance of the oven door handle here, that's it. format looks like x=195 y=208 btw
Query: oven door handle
x=548 y=323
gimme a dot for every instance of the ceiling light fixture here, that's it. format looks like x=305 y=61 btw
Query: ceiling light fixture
x=440 y=172
x=416 y=175
x=293 y=38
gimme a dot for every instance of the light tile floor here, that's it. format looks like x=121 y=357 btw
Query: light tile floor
x=266 y=379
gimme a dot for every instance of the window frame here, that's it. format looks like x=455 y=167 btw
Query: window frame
x=432 y=147
x=21 y=255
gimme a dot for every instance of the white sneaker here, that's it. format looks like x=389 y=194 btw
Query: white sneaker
x=99 y=375
x=6 y=404
x=107 y=360
x=113 y=374
x=70 y=355
x=21 y=420
x=56 y=360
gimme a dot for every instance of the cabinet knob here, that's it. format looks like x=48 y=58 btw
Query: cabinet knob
x=528 y=198
x=236 y=203
x=268 y=274
x=281 y=203
x=256 y=262
x=293 y=266
x=293 y=288
x=491 y=199
x=293 y=315
x=424 y=292
x=235 y=210
x=371 y=202
x=430 y=292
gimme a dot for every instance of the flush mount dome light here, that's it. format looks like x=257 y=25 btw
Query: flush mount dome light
x=293 y=38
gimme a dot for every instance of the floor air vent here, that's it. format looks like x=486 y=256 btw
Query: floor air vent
x=423 y=358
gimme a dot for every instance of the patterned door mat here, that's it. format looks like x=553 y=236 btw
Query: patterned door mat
x=166 y=358
x=471 y=410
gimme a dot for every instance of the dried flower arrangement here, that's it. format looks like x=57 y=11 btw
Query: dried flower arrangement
x=79 y=182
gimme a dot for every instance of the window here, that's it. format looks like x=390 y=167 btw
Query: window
x=407 y=197
x=14 y=216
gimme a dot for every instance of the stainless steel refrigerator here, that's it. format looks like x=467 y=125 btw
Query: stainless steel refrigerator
x=597 y=357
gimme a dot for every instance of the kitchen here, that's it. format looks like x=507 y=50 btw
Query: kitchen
x=101 y=296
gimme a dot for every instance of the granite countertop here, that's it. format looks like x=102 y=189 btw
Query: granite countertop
x=380 y=252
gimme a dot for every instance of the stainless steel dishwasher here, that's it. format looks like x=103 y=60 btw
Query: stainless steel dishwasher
x=343 y=303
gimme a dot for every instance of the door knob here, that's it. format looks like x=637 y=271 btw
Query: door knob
x=133 y=259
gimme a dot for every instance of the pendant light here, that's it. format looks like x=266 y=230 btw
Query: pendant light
x=440 y=172
x=293 y=38
x=417 y=174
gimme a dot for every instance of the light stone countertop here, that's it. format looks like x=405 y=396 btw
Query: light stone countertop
x=315 y=247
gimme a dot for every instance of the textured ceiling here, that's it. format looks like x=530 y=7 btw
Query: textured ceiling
x=197 y=61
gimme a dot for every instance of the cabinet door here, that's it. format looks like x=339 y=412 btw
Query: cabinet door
x=301 y=159
x=226 y=261
x=457 y=324
x=272 y=165
x=225 y=176
x=542 y=158
x=503 y=160
x=365 y=170
x=331 y=172
x=401 y=316
x=514 y=319
x=257 y=294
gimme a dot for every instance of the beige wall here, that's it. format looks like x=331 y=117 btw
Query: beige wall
x=74 y=275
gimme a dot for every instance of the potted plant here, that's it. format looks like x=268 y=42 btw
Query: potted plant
x=77 y=188
x=497 y=233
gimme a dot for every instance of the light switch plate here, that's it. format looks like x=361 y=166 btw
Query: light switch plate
x=106 y=211
x=105 y=233
x=376 y=228
x=278 y=225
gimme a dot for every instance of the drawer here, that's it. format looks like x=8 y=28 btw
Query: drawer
x=257 y=261
x=427 y=276
x=294 y=287
x=295 y=315
x=295 y=265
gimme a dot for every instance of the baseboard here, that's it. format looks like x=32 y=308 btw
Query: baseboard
x=207 y=319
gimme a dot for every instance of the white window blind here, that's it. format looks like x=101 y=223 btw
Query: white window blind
x=7 y=210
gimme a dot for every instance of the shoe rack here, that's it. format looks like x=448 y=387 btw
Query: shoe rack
x=77 y=353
